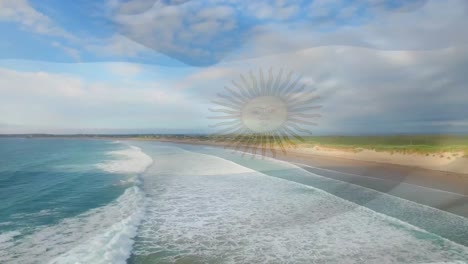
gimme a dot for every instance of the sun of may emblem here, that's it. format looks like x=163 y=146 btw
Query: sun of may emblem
x=264 y=113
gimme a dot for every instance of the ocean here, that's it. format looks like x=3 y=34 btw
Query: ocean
x=104 y=201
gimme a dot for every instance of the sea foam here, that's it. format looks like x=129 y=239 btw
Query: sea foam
x=242 y=216
x=114 y=244
x=6 y=239
x=129 y=161
x=101 y=235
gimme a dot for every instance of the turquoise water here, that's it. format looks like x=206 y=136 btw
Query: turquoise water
x=447 y=225
x=45 y=180
x=99 y=201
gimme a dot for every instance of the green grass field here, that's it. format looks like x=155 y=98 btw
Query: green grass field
x=423 y=144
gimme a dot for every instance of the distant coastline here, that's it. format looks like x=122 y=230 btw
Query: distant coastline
x=379 y=170
x=438 y=167
x=447 y=153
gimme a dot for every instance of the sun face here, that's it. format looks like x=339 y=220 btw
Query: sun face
x=265 y=114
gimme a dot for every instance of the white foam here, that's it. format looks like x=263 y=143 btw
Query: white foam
x=102 y=235
x=111 y=246
x=242 y=216
x=6 y=238
x=5 y=223
x=196 y=164
x=129 y=161
x=447 y=262
x=44 y=212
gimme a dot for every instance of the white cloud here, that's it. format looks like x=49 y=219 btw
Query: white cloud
x=201 y=33
x=44 y=85
x=205 y=77
x=280 y=10
x=206 y=32
x=38 y=84
x=21 y=12
x=211 y=73
x=125 y=69
x=117 y=45
x=323 y=8
x=73 y=53
x=367 y=90
x=179 y=31
x=362 y=90
x=435 y=25
x=41 y=99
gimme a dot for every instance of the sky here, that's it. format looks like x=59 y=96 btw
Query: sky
x=154 y=66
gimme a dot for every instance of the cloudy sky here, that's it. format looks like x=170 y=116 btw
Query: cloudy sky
x=117 y=66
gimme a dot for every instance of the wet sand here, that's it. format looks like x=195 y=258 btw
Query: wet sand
x=440 y=180
x=446 y=191
x=442 y=190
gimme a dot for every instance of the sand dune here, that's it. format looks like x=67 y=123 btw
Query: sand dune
x=453 y=162
x=448 y=161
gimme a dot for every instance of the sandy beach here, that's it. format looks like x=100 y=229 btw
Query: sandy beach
x=446 y=179
x=446 y=161
x=451 y=162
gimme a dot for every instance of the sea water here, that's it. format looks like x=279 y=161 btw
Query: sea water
x=68 y=201
x=90 y=201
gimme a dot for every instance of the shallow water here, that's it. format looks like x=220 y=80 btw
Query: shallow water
x=87 y=201
x=221 y=212
x=59 y=195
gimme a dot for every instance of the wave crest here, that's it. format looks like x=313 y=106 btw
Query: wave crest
x=129 y=161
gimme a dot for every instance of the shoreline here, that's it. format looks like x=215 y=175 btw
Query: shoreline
x=452 y=162
x=449 y=162
x=451 y=159
x=446 y=191
x=448 y=181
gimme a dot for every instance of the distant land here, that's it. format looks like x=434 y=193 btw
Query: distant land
x=422 y=144
x=435 y=152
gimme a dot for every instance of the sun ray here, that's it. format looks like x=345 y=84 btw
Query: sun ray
x=225 y=99
x=264 y=114
x=230 y=98
x=270 y=79
x=263 y=139
x=241 y=89
x=224 y=117
x=296 y=92
x=236 y=94
x=292 y=133
x=262 y=82
x=254 y=145
x=254 y=84
x=291 y=87
x=277 y=82
x=272 y=144
x=283 y=85
x=248 y=145
x=229 y=125
x=225 y=104
x=286 y=138
x=218 y=110
x=237 y=142
x=247 y=85
x=280 y=143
